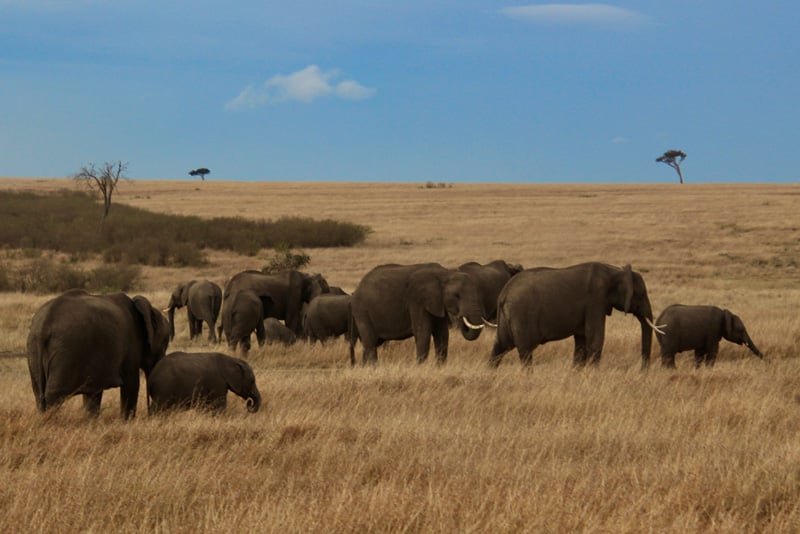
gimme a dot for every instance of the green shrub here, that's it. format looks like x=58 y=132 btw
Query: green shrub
x=284 y=260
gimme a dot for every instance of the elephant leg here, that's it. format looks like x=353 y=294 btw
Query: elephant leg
x=699 y=357
x=423 y=343
x=595 y=337
x=422 y=327
x=579 y=354
x=91 y=403
x=212 y=337
x=52 y=399
x=711 y=357
x=526 y=355
x=192 y=325
x=128 y=395
x=198 y=327
x=261 y=334
x=498 y=351
x=503 y=342
x=441 y=335
x=667 y=359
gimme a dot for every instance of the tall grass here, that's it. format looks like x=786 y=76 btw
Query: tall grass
x=459 y=447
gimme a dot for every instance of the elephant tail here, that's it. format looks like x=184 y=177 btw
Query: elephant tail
x=37 y=352
x=216 y=305
x=352 y=333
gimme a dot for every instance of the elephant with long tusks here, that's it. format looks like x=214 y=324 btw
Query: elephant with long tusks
x=401 y=301
x=548 y=304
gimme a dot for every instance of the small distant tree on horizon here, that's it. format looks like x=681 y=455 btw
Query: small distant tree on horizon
x=673 y=158
x=103 y=178
x=201 y=172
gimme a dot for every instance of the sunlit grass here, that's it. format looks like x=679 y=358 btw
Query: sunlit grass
x=457 y=447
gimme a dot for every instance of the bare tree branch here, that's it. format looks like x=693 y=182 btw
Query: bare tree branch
x=103 y=178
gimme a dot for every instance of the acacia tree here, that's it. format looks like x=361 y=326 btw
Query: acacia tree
x=103 y=178
x=201 y=172
x=673 y=158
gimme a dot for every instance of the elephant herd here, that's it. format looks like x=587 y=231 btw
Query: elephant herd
x=81 y=343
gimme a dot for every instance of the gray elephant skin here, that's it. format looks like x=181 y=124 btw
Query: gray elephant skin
x=401 y=301
x=699 y=328
x=288 y=291
x=202 y=300
x=490 y=279
x=548 y=304
x=246 y=312
x=82 y=344
x=326 y=317
x=277 y=332
x=184 y=380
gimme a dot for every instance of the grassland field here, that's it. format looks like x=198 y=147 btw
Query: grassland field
x=461 y=447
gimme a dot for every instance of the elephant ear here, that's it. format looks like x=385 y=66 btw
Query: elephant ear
x=727 y=323
x=627 y=286
x=143 y=306
x=235 y=374
x=185 y=293
x=425 y=290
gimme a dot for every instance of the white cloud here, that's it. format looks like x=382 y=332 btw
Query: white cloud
x=598 y=15
x=619 y=140
x=304 y=85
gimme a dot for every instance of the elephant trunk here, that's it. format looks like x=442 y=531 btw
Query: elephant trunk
x=253 y=401
x=647 y=338
x=752 y=346
x=171 y=316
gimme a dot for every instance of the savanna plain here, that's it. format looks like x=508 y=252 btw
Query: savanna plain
x=459 y=447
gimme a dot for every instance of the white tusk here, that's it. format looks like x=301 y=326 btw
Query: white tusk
x=472 y=326
x=165 y=310
x=489 y=323
x=658 y=329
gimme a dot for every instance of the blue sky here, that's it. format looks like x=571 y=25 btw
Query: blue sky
x=435 y=90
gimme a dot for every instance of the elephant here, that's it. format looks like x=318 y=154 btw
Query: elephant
x=202 y=300
x=326 y=317
x=400 y=301
x=183 y=380
x=277 y=332
x=699 y=328
x=288 y=291
x=548 y=304
x=490 y=278
x=246 y=313
x=336 y=290
x=82 y=344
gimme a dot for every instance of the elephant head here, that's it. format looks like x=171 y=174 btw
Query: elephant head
x=628 y=293
x=448 y=293
x=240 y=379
x=178 y=299
x=313 y=286
x=734 y=331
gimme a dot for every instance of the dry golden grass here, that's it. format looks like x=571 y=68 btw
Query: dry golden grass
x=456 y=448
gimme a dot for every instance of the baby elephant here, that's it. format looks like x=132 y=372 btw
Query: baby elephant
x=277 y=332
x=182 y=380
x=699 y=328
